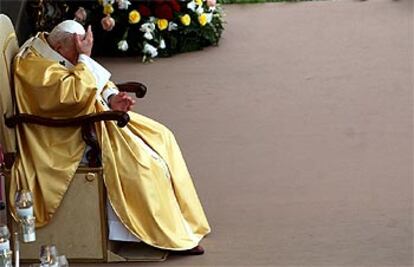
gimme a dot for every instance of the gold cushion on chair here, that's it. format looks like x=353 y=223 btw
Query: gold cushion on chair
x=9 y=48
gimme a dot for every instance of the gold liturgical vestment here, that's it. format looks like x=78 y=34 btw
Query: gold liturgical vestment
x=163 y=211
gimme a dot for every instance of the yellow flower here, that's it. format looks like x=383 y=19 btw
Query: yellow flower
x=162 y=24
x=202 y=19
x=186 y=20
x=134 y=17
x=108 y=9
x=199 y=2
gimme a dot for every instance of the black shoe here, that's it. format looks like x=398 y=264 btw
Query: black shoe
x=198 y=250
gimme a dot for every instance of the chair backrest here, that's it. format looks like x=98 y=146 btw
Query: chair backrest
x=9 y=48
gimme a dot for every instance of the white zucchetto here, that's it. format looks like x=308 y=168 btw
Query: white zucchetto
x=69 y=26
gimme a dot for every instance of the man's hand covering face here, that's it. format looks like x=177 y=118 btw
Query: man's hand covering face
x=84 y=44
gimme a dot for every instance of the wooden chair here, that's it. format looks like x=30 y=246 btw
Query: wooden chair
x=79 y=227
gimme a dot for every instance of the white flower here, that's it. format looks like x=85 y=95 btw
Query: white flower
x=191 y=5
x=150 y=50
x=148 y=36
x=108 y=2
x=162 y=44
x=147 y=27
x=172 y=26
x=209 y=17
x=123 y=45
x=123 y=4
x=212 y=8
x=152 y=19
x=200 y=10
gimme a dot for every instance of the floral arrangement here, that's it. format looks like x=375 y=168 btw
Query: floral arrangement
x=152 y=27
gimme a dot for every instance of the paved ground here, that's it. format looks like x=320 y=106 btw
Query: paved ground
x=298 y=130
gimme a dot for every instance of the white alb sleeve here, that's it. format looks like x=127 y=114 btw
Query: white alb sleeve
x=101 y=74
x=108 y=92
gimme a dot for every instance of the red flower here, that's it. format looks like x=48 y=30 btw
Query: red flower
x=164 y=11
x=175 y=5
x=144 y=10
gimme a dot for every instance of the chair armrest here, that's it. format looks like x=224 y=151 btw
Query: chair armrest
x=133 y=87
x=121 y=117
x=85 y=122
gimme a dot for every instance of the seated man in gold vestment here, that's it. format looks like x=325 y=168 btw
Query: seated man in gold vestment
x=151 y=196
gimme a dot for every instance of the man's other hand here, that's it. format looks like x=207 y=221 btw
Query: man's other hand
x=121 y=102
x=84 y=44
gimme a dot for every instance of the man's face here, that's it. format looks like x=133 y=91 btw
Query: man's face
x=68 y=49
